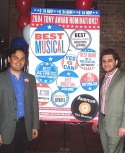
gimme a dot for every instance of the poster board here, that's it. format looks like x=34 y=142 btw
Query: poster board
x=64 y=57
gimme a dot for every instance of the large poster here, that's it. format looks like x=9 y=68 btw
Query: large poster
x=64 y=57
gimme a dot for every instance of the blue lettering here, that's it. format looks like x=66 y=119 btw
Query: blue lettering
x=69 y=67
x=48 y=46
x=55 y=46
x=37 y=47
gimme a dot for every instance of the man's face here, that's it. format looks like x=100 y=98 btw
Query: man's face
x=17 y=61
x=109 y=64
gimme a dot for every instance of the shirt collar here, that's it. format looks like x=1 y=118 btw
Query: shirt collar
x=110 y=76
x=13 y=74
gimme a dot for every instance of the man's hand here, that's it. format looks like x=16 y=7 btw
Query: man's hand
x=34 y=133
x=95 y=127
x=0 y=139
x=121 y=132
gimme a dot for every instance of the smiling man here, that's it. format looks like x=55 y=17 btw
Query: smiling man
x=112 y=104
x=19 y=117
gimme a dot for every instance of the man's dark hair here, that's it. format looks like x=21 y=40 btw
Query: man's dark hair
x=14 y=49
x=112 y=52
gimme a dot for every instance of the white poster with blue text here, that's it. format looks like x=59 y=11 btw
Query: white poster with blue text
x=64 y=57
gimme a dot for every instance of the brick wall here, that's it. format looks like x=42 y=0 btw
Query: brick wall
x=112 y=33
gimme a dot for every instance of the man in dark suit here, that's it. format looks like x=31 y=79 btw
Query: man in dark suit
x=19 y=115
x=112 y=104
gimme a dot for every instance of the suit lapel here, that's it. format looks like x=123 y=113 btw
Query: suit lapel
x=8 y=82
x=114 y=79
x=101 y=82
x=9 y=85
x=26 y=82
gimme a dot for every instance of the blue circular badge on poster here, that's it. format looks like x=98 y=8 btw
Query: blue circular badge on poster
x=46 y=73
x=49 y=42
x=89 y=81
x=59 y=99
x=68 y=81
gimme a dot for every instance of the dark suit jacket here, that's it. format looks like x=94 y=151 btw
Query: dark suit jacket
x=8 y=106
x=115 y=104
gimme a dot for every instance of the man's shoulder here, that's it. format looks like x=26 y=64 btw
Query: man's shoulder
x=4 y=73
x=120 y=75
x=28 y=75
x=120 y=72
